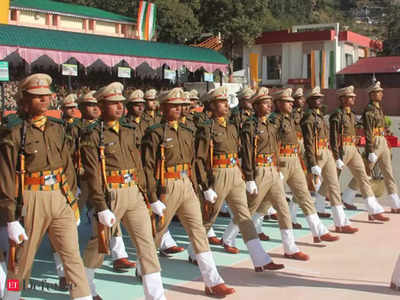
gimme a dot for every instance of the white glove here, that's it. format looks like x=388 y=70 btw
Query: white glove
x=281 y=176
x=78 y=222
x=339 y=164
x=106 y=217
x=251 y=187
x=15 y=230
x=158 y=207
x=210 y=195
x=316 y=170
x=372 y=157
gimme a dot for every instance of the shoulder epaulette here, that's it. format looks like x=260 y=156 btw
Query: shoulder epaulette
x=12 y=121
x=56 y=120
x=272 y=116
x=206 y=123
x=235 y=110
x=124 y=123
x=92 y=126
x=186 y=127
x=154 y=126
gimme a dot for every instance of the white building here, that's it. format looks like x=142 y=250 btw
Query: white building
x=307 y=55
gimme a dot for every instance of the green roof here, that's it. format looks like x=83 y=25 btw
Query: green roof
x=12 y=35
x=71 y=9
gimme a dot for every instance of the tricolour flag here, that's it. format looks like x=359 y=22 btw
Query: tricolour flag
x=146 y=21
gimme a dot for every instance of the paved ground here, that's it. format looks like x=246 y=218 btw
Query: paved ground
x=356 y=267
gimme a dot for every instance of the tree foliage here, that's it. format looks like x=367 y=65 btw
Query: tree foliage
x=240 y=22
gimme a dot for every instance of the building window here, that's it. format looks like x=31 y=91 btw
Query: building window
x=123 y=28
x=92 y=25
x=349 y=59
x=55 y=20
x=274 y=70
x=13 y=15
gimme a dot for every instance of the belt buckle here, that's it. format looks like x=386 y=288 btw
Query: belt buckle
x=50 y=179
x=233 y=161
x=127 y=178
x=269 y=159
x=183 y=173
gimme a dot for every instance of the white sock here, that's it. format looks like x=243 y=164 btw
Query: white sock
x=90 y=277
x=208 y=269
x=230 y=233
x=167 y=241
x=257 y=254
x=339 y=217
x=373 y=206
x=117 y=247
x=59 y=264
x=320 y=203
x=289 y=245
x=152 y=286
x=348 y=196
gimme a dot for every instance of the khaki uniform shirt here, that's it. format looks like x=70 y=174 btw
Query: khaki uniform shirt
x=297 y=115
x=179 y=149
x=267 y=143
x=188 y=120
x=373 y=117
x=313 y=126
x=140 y=127
x=44 y=151
x=226 y=141
x=341 y=124
x=239 y=116
x=148 y=120
x=121 y=154
x=286 y=128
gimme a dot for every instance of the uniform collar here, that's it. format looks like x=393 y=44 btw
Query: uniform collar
x=113 y=125
x=221 y=121
x=347 y=110
x=174 y=125
x=264 y=119
x=39 y=122
x=376 y=104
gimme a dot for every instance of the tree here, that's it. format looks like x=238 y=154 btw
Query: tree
x=176 y=21
x=238 y=21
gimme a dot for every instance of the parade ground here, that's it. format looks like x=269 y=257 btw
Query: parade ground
x=356 y=267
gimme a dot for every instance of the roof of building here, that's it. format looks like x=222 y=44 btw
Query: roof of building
x=29 y=37
x=69 y=9
x=370 y=65
x=285 y=36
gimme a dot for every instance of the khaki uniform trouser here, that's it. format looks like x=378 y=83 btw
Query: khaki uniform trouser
x=182 y=200
x=353 y=160
x=296 y=180
x=129 y=208
x=84 y=200
x=49 y=212
x=230 y=187
x=385 y=163
x=329 y=176
x=270 y=189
